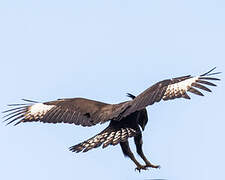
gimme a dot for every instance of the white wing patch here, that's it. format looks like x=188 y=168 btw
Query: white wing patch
x=180 y=87
x=38 y=110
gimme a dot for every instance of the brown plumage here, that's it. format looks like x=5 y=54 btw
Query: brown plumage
x=125 y=118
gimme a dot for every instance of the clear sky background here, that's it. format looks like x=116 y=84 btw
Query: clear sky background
x=102 y=50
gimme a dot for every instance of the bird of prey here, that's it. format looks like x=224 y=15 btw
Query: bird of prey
x=126 y=119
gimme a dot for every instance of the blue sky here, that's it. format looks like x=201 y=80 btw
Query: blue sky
x=102 y=50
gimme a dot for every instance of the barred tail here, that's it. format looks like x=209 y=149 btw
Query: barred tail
x=106 y=137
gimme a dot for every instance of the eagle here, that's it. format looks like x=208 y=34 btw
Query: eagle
x=126 y=119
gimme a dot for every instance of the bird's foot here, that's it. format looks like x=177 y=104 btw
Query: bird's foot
x=152 y=166
x=141 y=167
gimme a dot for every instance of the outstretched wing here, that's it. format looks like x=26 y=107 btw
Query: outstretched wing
x=87 y=112
x=78 y=111
x=171 y=89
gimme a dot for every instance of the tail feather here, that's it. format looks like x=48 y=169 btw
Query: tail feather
x=109 y=136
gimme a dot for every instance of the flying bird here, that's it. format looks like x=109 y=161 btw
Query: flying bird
x=126 y=119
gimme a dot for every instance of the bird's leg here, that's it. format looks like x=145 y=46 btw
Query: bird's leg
x=127 y=152
x=138 y=142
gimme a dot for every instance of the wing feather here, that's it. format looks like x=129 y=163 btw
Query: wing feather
x=201 y=87
x=14 y=119
x=209 y=78
x=70 y=117
x=185 y=96
x=195 y=91
x=205 y=82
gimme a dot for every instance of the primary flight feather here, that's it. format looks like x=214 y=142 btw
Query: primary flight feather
x=125 y=118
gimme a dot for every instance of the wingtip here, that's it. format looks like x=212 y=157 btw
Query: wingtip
x=8 y=123
x=28 y=100
x=209 y=72
x=4 y=122
x=16 y=104
x=17 y=123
